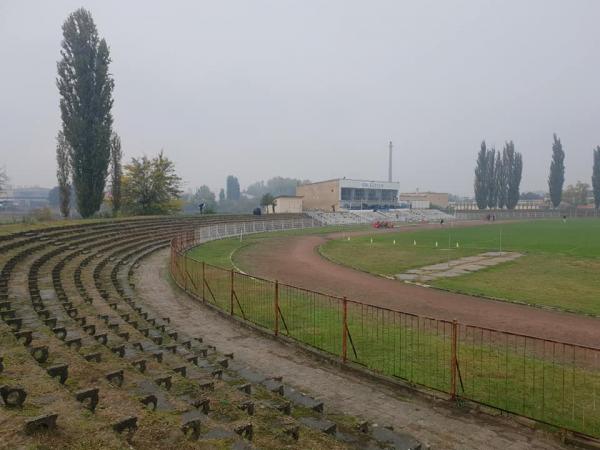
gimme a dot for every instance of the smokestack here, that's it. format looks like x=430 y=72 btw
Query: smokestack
x=390 y=164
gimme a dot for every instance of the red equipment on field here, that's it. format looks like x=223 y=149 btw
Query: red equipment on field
x=382 y=224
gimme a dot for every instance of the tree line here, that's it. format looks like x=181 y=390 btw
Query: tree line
x=232 y=199
x=498 y=178
x=89 y=151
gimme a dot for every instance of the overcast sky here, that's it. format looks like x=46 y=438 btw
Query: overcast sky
x=316 y=89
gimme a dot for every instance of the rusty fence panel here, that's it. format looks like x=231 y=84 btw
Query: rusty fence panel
x=218 y=286
x=413 y=348
x=254 y=300
x=311 y=317
x=552 y=382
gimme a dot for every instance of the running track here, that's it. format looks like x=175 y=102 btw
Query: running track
x=295 y=260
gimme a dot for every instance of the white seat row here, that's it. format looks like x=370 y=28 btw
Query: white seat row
x=369 y=216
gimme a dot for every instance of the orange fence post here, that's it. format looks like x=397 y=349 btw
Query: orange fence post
x=454 y=359
x=345 y=332
x=231 y=299
x=185 y=278
x=276 y=308
x=203 y=280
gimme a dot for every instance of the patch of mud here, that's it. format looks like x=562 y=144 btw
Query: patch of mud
x=458 y=267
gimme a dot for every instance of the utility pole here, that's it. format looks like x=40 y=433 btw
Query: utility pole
x=390 y=164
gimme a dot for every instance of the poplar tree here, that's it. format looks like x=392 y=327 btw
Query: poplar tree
x=63 y=174
x=480 y=185
x=515 y=171
x=490 y=179
x=233 y=188
x=596 y=177
x=85 y=87
x=501 y=178
x=116 y=171
x=3 y=179
x=556 y=178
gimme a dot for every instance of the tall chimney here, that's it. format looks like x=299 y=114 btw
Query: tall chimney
x=390 y=164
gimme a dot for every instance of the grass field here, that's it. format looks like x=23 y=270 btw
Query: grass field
x=559 y=270
x=553 y=383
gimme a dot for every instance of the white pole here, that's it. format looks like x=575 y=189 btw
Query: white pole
x=500 y=239
x=449 y=239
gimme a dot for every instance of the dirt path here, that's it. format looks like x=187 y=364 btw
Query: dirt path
x=296 y=261
x=435 y=424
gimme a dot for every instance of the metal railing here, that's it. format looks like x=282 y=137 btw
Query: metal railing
x=525 y=214
x=552 y=382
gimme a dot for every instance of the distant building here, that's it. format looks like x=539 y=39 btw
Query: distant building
x=439 y=199
x=285 y=204
x=345 y=194
x=24 y=198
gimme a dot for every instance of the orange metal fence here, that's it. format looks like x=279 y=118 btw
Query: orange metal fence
x=555 y=383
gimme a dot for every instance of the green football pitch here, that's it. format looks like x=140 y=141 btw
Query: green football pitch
x=560 y=267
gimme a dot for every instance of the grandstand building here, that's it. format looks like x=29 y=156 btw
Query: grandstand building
x=344 y=194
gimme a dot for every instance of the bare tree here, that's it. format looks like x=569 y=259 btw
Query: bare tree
x=63 y=174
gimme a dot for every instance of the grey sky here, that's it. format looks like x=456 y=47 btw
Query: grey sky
x=316 y=89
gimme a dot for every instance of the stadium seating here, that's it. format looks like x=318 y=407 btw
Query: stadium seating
x=369 y=216
x=84 y=336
